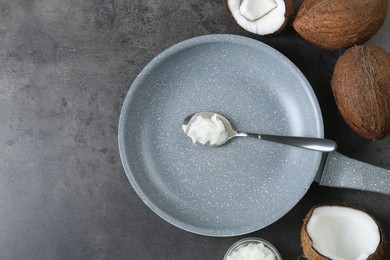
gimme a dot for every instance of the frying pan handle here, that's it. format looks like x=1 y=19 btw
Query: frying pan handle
x=343 y=172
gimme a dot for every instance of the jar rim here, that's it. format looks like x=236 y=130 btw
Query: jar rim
x=249 y=240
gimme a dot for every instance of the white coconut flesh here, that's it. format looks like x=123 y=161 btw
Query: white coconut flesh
x=258 y=16
x=343 y=233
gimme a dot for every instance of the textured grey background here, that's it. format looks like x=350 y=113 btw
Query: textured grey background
x=65 y=68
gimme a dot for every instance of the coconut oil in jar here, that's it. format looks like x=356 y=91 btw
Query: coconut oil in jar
x=252 y=249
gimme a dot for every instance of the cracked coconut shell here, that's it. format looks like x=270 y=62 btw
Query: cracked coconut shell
x=358 y=234
x=334 y=24
x=361 y=87
x=270 y=22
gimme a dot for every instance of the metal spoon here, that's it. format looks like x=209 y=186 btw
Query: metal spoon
x=316 y=144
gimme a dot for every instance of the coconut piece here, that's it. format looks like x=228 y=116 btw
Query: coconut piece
x=361 y=87
x=260 y=17
x=335 y=24
x=341 y=233
x=253 y=10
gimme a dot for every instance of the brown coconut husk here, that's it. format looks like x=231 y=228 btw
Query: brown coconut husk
x=361 y=87
x=312 y=254
x=335 y=24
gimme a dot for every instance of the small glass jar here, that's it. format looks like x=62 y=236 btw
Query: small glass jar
x=246 y=241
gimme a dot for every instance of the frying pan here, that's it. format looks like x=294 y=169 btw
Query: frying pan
x=246 y=184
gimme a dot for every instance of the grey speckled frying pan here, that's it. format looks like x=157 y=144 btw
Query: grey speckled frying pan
x=246 y=184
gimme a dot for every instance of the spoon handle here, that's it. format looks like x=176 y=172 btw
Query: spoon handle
x=311 y=143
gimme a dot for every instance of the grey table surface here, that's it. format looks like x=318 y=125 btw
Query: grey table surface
x=65 y=68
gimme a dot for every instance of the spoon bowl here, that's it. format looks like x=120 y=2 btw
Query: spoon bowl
x=311 y=143
x=228 y=127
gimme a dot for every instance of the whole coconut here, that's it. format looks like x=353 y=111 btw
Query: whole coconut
x=335 y=24
x=361 y=87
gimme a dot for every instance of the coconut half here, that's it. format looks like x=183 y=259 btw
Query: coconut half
x=260 y=17
x=341 y=233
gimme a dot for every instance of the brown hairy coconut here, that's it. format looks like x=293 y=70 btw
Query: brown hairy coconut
x=261 y=17
x=361 y=87
x=358 y=234
x=335 y=24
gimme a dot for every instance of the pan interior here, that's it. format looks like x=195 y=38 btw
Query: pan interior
x=239 y=187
